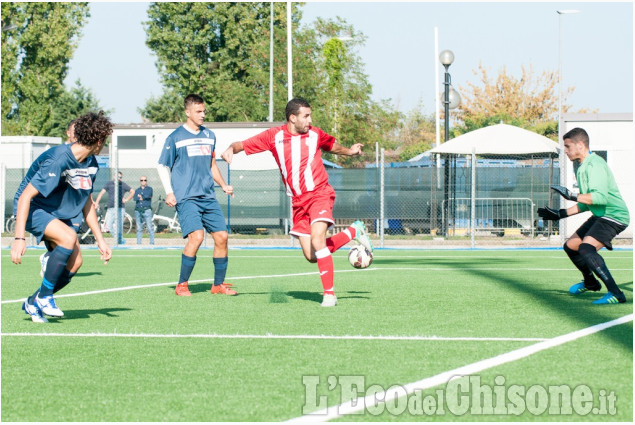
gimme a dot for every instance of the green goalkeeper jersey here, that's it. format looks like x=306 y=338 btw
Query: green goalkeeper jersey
x=595 y=177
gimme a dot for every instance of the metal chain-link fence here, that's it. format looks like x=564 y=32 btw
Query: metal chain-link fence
x=496 y=197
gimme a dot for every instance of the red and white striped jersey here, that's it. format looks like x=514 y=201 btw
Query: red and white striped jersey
x=299 y=156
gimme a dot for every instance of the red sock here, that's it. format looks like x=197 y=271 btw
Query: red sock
x=325 y=266
x=337 y=241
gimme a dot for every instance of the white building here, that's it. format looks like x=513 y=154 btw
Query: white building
x=21 y=151
x=612 y=136
x=139 y=145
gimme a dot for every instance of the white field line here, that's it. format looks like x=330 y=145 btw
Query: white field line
x=272 y=336
x=372 y=269
x=125 y=254
x=355 y=405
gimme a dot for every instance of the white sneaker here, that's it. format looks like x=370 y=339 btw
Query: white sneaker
x=33 y=311
x=329 y=300
x=44 y=259
x=47 y=306
x=361 y=236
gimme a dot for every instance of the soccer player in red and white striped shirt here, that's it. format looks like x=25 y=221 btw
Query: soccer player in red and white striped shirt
x=297 y=148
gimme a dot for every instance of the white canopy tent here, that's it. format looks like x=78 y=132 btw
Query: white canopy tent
x=500 y=140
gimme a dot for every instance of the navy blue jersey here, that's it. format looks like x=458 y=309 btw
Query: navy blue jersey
x=189 y=157
x=64 y=184
x=143 y=198
x=109 y=187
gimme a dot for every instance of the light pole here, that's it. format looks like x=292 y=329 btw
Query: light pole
x=451 y=100
x=561 y=160
x=289 y=53
x=271 y=65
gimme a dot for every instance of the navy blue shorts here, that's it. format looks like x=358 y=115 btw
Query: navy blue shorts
x=200 y=213
x=37 y=221
x=76 y=222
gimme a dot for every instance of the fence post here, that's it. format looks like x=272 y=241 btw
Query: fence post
x=114 y=163
x=377 y=220
x=473 y=195
x=382 y=203
x=3 y=189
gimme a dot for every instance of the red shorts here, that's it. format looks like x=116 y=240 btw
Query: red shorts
x=311 y=207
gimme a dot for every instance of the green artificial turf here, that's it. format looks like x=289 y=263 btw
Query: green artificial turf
x=128 y=349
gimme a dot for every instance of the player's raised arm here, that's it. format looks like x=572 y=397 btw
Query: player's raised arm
x=228 y=154
x=338 y=149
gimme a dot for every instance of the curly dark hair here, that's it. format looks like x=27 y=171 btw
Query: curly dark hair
x=92 y=128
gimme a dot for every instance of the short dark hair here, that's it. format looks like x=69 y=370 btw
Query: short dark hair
x=192 y=99
x=92 y=128
x=70 y=124
x=577 y=135
x=294 y=105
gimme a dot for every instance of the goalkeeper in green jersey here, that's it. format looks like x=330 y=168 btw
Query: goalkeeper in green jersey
x=600 y=195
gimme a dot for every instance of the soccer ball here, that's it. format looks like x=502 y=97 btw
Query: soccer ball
x=360 y=257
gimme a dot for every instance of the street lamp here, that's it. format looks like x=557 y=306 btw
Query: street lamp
x=563 y=174
x=451 y=100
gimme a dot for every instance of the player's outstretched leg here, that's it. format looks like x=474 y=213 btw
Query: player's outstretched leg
x=596 y=263
x=340 y=239
x=361 y=235
x=589 y=282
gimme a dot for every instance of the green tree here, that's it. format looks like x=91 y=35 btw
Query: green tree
x=38 y=41
x=71 y=104
x=417 y=134
x=221 y=51
x=218 y=50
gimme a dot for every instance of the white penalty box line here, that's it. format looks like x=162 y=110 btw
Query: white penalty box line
x=356 y=405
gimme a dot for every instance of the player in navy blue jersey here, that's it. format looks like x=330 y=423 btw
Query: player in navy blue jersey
x=55 y=190
x=188 y=170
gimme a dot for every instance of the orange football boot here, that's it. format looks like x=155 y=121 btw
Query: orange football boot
x=223 y=288
x=181 y=290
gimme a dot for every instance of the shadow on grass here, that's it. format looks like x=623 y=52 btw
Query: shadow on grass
x=439 y=261
x=88 y=274
x=574 y=308
x=317 y=297
x=86 y=314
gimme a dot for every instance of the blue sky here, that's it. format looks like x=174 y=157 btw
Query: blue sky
x=597 y=44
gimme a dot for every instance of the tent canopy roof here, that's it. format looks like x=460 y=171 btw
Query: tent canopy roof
x=499 y=139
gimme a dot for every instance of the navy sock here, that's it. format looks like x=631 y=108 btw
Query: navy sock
x=596 y=263
x=54 y=269
x=220 y=269
x=64 y=280
x=589 y=280
x=187 y=265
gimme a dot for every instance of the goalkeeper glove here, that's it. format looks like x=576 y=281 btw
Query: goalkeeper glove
x=547 y=213
x=566 y=193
